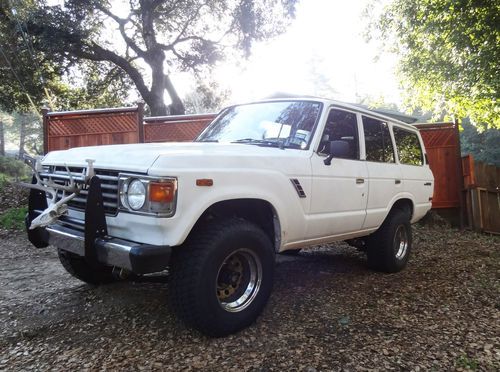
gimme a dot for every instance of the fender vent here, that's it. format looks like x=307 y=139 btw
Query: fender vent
x=298 y=187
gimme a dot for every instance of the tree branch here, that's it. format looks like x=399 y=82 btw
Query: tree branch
x=121 y=26
x=99 y=53
x=148 y=31
x=188 y=23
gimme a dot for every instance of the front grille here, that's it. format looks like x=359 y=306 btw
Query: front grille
x=109 y=185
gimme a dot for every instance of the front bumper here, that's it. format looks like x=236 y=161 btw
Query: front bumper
x=90 y=239
x=138 y=258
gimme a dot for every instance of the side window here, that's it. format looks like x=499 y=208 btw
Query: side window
x=341 y=126
x=377 y=141
x=408 y=145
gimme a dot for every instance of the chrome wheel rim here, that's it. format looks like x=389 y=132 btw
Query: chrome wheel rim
x=401 y=242
x=238 y=280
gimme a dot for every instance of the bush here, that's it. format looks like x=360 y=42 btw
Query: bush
x=13 y=167
x=4 y=178
x=13 y=218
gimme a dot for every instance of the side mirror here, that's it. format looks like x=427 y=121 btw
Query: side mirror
x=338 y=149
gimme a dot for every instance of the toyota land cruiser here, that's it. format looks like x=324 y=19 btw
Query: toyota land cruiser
x=263 y=178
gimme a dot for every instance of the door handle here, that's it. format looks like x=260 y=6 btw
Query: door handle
x=360 y=180
x=397 y=182
x=428 y=184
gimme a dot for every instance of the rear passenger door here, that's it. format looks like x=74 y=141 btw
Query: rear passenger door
x=385 y=178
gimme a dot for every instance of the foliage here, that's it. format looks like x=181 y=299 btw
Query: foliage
x=207 y=97
x=165 y=35
x=22 y=75
x=31 y=78
x=468 y=363
x=4 y=178
x=13 y=218
x=10 y=167
x=484 y=146
x=448 y=55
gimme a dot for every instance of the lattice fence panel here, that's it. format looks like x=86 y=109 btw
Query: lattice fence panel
x=169 y=129
x=89 y=128
x=439 y=137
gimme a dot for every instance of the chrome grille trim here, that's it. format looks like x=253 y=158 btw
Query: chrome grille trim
x=109 y=182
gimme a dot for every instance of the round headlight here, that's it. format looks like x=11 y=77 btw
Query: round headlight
x=136 y=195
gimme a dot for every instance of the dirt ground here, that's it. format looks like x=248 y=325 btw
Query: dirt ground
x=327 y=312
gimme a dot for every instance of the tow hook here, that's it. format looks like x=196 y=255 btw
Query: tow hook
x=121 y=273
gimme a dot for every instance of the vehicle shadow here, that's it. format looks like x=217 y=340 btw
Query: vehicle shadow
x=141 y=303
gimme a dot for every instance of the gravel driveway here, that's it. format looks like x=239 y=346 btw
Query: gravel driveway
x=327 y=312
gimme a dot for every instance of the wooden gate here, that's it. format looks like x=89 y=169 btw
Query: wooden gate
x=443 y=152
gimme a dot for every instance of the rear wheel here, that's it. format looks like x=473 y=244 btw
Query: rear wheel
x=390 y=246
x=221 y=278
x=81 y=269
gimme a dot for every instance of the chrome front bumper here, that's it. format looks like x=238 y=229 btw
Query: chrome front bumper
x=136 y=257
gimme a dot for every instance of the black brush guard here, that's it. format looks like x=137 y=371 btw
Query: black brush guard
x=93 y=242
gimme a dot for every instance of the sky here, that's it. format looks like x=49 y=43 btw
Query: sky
x=322 y=53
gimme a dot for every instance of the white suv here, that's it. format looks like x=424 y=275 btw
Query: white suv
x=263 y=178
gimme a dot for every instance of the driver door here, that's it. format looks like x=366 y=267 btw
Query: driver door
x=339 y=190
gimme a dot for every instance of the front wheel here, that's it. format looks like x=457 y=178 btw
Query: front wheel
x=390 y=246
x=221 y=278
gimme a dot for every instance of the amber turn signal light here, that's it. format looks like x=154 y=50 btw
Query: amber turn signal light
x=161 y=192
x=204 y=182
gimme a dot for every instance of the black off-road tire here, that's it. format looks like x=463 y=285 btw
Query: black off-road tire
x=196 y=268
x=384 y=249
x=82 y=270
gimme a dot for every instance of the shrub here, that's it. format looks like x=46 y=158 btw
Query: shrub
x=13 y=218
x=13 y=167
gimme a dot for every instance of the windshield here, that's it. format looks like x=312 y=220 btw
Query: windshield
x=281 y=124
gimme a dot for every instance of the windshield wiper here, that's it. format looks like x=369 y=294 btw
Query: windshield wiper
x=208 y=140
x=260 y=142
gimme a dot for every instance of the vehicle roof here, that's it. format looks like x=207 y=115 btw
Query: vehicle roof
x=331 y=102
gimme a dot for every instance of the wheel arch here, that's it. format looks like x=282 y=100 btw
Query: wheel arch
x=405 y=204
x=258 y=211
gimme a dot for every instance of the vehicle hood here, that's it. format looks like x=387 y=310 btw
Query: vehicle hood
x=141 y=157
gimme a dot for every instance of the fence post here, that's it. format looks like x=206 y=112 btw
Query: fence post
x=460 y=176
x=45 y=123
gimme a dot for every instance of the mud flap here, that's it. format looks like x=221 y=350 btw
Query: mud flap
x=95 y=220
x=37 y=202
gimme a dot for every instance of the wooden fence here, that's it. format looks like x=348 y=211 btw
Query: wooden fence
x=482 y=195
x=181 y=128
x=64 y=130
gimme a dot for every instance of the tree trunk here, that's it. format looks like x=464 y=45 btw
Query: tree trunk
x=160 y=83
x=2 y=139
x=22 y=136
x=176 y=107
x=155 y=99
x=157 y=107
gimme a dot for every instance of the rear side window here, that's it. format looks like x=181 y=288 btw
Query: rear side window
x=408 y=145
x=378 y=142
